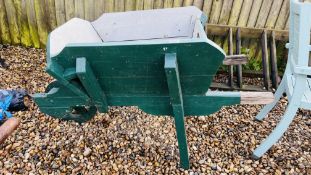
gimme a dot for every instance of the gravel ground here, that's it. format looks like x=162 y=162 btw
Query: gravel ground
x=223 y=78
x=129 y=141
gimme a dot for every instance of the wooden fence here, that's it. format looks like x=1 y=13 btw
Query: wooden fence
x=28 y=22
x=257 y=26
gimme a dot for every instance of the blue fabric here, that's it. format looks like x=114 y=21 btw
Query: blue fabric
x=4 y=105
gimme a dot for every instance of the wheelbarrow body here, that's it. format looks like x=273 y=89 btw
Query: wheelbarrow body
x=165 y=69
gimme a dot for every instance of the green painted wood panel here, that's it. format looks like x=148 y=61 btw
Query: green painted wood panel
x=198 y=63
x=133 y=74
x=194 y=105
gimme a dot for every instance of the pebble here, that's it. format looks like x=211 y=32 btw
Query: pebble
x=87 y=152
x=201 y=161
x=27 y=155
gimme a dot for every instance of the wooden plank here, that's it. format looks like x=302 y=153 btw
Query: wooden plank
x=243 y=18
x=109 y=6
x=225 y=12
x=235 y=59
x=158 y=4
x=187 y=3
x=148 y=4
x=89 y=10
x=274 y=13
x=119 y=6
x=198 y=3
x=215 y=11
x=60 y=12
x=99 y=8
x=12 y=21
x=21 y=14
x=79 y=8
x=4 y=26
x=238 y=51
x=286 y=27
x=245 y=12
x=263 y=13
x=251 y=22
x=130 y=5
x=256 y=97
x=283 y=15
x=207 y=6
x=223 y=19
x=246 y=32
x=273 y=62
x=178 y=3
x=90 y=83
x=260 y=23
x=235 y=12
x=32 y=22
x=139 y=4
x=168 y=3
x=41 y=22
x=69 y=9
x=265 y=60
x=51 y=11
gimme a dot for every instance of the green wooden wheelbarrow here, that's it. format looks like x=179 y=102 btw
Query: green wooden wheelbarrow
x=158 y=60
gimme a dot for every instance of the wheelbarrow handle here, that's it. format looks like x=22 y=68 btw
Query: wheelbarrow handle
x=256 y=97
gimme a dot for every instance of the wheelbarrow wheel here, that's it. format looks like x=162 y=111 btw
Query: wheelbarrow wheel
x=57 y=105
x=53 y=84
x=80 y=113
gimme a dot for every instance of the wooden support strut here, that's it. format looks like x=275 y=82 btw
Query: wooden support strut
x=235 y=59
x=90 y=83
x=265 y=61
x=230 y=49
x=238 y=51
x=273 y=61
x=173 y=82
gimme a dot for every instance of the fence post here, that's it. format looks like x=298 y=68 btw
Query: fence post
x=238 y=51
x=230 y=50
x=265 y=60
x=273 y=61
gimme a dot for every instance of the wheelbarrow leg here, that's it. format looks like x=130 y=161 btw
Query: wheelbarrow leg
x=90 y=83
x=172 y=76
